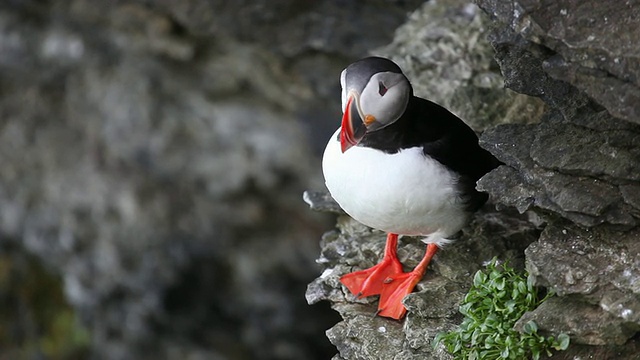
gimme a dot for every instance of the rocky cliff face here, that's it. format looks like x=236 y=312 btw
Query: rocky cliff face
x=580 y=163
x=572 y=162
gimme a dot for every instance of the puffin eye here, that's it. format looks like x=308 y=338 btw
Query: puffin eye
x=381 y=88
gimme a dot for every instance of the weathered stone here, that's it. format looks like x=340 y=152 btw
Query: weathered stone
x=599 y=266
x=579 y=162
x=521 y=65
x=321 y=201
x=597 y=43
x=573 y=194
x=507 y=187
x=585 y=323
x=631 y=194
x=421 y=303
x=510 y=144
x=586 y=201
x=557 y=170
x=365 y=337
x=576 y=150
x=293 y=27
x=628 y=351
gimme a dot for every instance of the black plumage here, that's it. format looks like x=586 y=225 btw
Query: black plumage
x=442 y=136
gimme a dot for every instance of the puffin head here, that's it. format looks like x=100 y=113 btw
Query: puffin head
x=375 y=94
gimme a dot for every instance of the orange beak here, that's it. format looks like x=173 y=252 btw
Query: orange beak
x=353 y=127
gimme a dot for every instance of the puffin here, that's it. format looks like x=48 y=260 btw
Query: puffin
x=403 y=165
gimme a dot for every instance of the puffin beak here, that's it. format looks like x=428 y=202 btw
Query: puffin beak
x=353 y=127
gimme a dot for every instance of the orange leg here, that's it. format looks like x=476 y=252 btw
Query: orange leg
x=397 y=286
x=371 y=281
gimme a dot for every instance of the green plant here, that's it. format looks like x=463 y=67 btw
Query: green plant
x=496 y=300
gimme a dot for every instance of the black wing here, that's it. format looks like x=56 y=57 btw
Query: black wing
x=456 y=145
x=443 y=137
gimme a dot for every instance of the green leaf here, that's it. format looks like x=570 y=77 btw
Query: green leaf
x=464 y=308
x=508 y=341
x=535 y=354
x=529 y=299
x=522 y=287
x=515 y=293
x=497 y=299
x=530 y=327
x=438 y=338
x=489 y=342
x=495 y=274
x=564 y=341
x=474 y=337
x=479 y=278
x=531 y=282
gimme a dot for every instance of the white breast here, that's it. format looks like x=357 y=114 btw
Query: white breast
x=405 y=193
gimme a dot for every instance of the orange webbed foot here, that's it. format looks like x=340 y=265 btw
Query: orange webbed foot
x=371 y=281
x=394 y=290
x=388 y=280
x=396 y=287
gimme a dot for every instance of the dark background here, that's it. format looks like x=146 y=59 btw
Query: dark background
x=153 y=156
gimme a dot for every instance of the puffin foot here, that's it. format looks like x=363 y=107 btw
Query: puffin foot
x=372 y=281
x=395 y=289
x=397 y=286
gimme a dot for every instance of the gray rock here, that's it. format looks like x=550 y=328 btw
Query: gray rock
x=631 y=194
x=585 y=323
x=321 y=201
x=579 y=163
x=560 y=173
x=628 y=351
x=510 y=144
x=587 y=152
x=433 y=307
x=365 y=337
x=600 y=265
x=595 y=44
x=509 y=188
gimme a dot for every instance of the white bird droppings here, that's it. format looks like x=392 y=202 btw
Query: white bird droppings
x=326 y=273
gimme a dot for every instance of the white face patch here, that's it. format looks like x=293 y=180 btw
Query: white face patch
x=385 y=97
x=344 y=90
